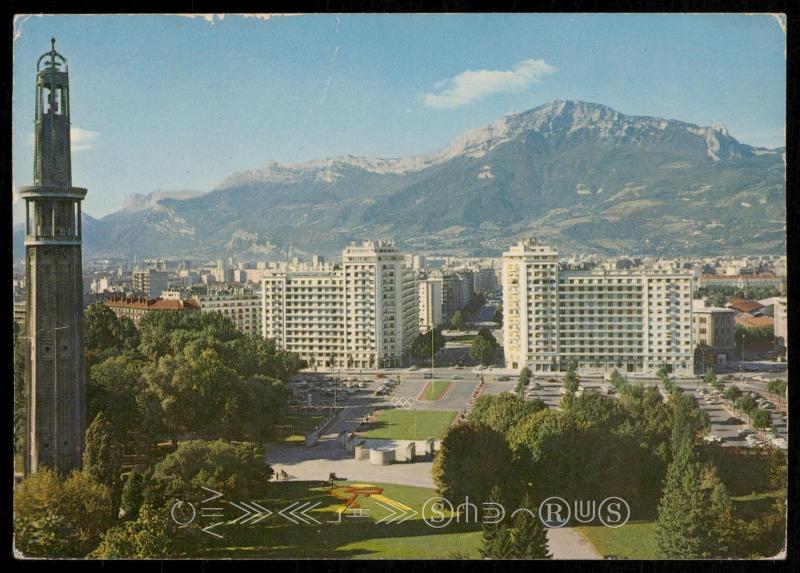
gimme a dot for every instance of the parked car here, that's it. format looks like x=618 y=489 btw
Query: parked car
x=457 y=377
x=504 y=379
x=744 y=432
x=414 y=368
x=536 y=386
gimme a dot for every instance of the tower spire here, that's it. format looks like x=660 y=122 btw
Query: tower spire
x=55 y=371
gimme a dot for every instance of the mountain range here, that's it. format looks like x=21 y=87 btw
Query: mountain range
x=579 y=175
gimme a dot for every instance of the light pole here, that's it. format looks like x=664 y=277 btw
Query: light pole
x=741 y=365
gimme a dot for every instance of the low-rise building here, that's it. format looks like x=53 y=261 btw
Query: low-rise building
x=136 y=308
x=714 y=334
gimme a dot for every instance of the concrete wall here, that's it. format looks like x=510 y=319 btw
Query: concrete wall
x=381 y=457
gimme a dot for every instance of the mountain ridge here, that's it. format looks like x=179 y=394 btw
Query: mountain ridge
x=581 y=175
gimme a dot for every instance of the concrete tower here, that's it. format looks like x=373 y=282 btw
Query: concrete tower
x=55 y=377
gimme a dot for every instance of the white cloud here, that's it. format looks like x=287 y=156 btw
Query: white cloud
x=212 y=18
x=82 y=139
x=474 y=85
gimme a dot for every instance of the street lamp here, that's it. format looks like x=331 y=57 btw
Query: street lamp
x=741 y=365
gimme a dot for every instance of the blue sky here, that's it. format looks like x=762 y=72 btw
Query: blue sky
x=174 y=103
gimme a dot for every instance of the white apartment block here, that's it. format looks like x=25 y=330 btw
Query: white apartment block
x=633 y=320
x=430 y=304
x=243 y=308
x=361 y=314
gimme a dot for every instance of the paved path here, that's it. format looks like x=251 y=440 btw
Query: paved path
x=316 y=463
x=567 y=543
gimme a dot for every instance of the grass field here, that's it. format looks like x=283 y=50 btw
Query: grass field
x=293 y=429
x=435 y=389
x=353 y=538
x=634 y=540
x=409 y=424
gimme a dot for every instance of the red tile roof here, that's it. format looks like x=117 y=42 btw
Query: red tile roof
x=153 y=304
x=743 y=305
x=750 y=321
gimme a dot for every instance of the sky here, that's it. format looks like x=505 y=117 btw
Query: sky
x=177 y=103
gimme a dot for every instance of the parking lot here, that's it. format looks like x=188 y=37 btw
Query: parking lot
x=726 y=426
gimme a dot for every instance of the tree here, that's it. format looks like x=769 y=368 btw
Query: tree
x=777 y=388
x=732 y=394
x=102 y=459
x=760 y=419
x=472 y=459
x=722 y=519
x=218 y=465
x=60 y=517
x=496 y=538
x=571 y=380
x=746 y=404
x=132 y=494
x=421 y=347
x=528 y=536
x=523 y=381
x=481 y=350
x=498 y=315
x=502 y=412
x=682 y=527
x=150 y=536
x=458 y=321
x=710 y=378
x=106 y=334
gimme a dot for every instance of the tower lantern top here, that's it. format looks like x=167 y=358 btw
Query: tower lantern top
x=54 y=60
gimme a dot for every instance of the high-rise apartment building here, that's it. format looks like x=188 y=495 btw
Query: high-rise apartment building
x=430 y=303
x=633 y=320
x=360 y=314
x=151 y=283
x=242 y=306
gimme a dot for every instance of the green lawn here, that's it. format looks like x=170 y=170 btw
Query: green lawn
x=409 y=424
x=634 y=540
x=435 y=389
x=293 y=429
x=353 y=538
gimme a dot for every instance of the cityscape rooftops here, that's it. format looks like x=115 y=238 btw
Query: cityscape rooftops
x=742 y=305
x=152 y=303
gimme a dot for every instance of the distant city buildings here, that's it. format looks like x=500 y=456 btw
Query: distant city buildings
x=742 y=281
x=151 y=282
x=633 y=320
